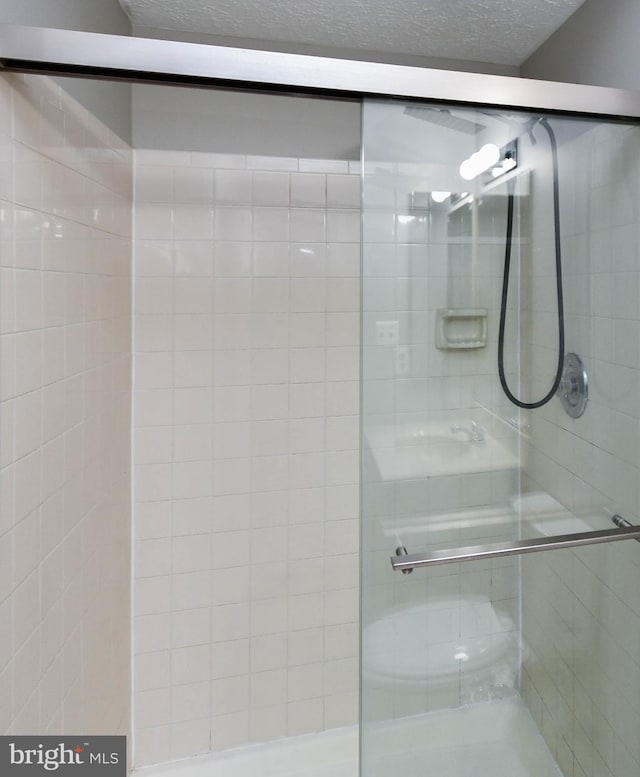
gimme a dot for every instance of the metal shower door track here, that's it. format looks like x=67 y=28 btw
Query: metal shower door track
x=116 y=57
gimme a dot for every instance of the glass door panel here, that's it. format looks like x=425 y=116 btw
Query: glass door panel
x=500 y=268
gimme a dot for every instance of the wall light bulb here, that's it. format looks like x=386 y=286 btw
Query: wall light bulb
x=440 y=196
x=480 y=161
x=467 y=170
x=487 y=157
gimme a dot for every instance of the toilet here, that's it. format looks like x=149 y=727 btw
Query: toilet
x=442 y=641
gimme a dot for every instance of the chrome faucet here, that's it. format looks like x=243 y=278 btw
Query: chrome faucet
x=476 y=432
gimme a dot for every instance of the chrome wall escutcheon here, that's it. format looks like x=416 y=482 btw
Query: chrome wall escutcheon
x=573 y=390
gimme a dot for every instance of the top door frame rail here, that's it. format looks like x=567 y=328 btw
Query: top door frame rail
x=123 y=58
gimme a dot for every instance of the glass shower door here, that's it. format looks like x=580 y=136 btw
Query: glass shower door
x=500 y=370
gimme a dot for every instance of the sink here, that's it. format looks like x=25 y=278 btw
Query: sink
x=410 y=451
x=446 y=447
x=434 y=444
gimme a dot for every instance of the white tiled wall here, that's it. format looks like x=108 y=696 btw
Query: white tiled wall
x=246 y=449
x=581 y=617
x=65 y=386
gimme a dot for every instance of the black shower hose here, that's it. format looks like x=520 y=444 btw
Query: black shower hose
x=505 y=282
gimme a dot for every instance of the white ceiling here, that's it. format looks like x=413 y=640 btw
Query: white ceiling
x=498 y=31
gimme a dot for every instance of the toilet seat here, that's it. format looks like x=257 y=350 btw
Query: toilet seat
x=433 y=641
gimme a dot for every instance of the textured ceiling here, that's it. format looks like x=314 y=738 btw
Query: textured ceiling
x=498 y=31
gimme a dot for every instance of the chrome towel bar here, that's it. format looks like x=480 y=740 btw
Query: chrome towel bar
x=498 y=549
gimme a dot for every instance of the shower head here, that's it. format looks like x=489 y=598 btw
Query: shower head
x=444 y=118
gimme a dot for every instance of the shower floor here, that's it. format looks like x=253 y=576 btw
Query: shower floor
x=497 y=739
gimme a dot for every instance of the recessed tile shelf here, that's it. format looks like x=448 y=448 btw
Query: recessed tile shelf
x=461 y=328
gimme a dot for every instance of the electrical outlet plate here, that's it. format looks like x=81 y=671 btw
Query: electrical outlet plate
x=402 y=361
x=387 y=332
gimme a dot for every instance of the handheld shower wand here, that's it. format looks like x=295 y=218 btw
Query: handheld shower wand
x=558 y=264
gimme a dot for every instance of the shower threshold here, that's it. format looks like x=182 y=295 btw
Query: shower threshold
x=494 y=739
x=488 y=739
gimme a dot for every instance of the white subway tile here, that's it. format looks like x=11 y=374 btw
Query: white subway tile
x=343 y=328
x=306 y=470
x=305 y=682
x=269 y=401
x=193 y=184
x=308 y=225
x=304 y=647
x=191 y=333
x=189 y=738
x=153 y=221
x=307 y=329
x=267 y=723
x=307 y=295
x=154 y=445
x=217 y=161
x=269 y=330
x=190 y=590
x=153 y=595
x=305 y=611
x=193 y=296
x=231 y=476
x=307 y=365
x=308 y=260
x=271 y=224
x=270 y=188
x=192 y=405
x=272 y=163
x=270 y=295
x=268 y=688
x=308 y=190
x=269 y=579
x=153 y=707
x=268 y=616
x=343 y=191
x=306 y=435
x=152 y=670
x=232 y=224
x=268 y=652
x=154 y=183
x=304 y=717
x=190 y=627
x=230 y=659
x=269 y=438
x=191 y=703
x=269 y=473
x=232 y=440
x=231 y=368
x=190 y=554
x=271 y=259
x=269 y=508
x=232 y=259
x=230 y=730
x=230 y=623
x=324 y=165
x=192 y=222
x=153 y=558
x=152 y=632
x=233 y=187
x=232 y=295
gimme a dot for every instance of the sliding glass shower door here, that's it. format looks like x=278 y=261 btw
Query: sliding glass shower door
x=501 y=438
